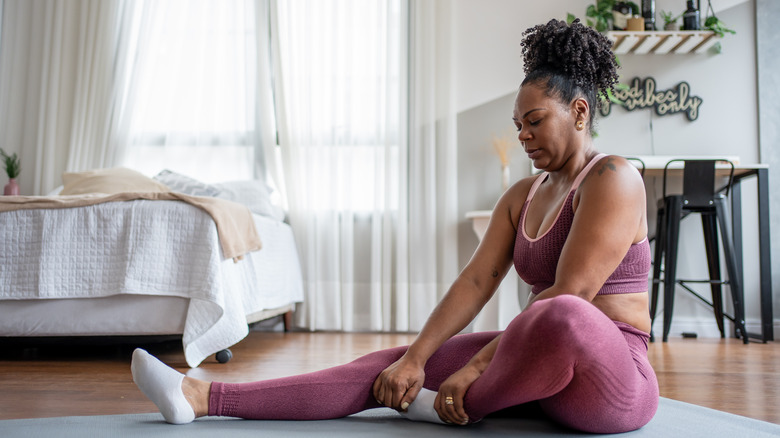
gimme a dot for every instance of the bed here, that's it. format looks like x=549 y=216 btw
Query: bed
x=150 y=265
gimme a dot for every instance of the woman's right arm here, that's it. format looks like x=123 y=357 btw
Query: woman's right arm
x=401 y=382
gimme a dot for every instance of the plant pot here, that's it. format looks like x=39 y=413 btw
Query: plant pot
x=12 y=188
x=636 y=24
x=670 y=26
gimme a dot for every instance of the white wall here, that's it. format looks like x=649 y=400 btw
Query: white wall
x=489 y=66
x=489 y=70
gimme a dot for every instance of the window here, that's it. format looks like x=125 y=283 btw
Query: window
x=343 y=90
x=195 y=112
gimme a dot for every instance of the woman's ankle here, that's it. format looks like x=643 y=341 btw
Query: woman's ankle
x=197 y=394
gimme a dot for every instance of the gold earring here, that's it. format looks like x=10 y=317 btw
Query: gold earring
x=580 y=125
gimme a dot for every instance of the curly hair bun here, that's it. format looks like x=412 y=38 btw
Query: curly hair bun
x=575 y=51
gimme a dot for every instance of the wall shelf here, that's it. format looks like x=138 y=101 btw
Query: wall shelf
x=662 y=42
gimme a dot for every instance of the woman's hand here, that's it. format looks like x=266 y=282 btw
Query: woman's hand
x=449 y=400
x=398 y=385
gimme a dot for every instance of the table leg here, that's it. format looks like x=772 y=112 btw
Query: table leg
x=765 y=255
x=735 y=193
x=764 y=250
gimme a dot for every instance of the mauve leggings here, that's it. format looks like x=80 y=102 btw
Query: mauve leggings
x=587 y=372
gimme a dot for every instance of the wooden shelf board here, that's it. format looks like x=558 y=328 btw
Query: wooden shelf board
x=662 y=42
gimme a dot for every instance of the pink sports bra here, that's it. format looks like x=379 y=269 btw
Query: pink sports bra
x=536 y=260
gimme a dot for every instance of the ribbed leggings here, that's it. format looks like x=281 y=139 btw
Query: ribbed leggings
x=586 y=371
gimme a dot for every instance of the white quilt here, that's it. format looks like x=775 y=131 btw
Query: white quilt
x=142 y=247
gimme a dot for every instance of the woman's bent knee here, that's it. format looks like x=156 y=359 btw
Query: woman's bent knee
x=559 y=314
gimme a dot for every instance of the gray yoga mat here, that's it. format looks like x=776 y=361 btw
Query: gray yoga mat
x=674 y=419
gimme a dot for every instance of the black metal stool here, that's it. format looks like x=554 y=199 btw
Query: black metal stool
x=699 y=196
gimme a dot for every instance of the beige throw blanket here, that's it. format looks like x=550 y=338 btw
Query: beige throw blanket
x=235 y=226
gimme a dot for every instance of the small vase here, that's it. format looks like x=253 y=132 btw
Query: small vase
x=12 y=188
x=505 y=177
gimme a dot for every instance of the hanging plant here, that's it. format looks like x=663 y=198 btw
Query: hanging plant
x=714 y=24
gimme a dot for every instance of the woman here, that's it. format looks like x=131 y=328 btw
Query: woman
x=577 y=233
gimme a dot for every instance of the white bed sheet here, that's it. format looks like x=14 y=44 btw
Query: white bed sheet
x=148 y=248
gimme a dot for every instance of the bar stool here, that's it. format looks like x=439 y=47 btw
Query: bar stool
x=699 y=196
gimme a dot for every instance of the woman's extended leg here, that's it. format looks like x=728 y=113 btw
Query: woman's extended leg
x=587 y=372
x=335 y=392
x=330 y=393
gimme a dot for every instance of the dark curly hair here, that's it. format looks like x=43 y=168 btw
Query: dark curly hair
x=571 y=61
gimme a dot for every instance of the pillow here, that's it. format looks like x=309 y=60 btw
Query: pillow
x=254 y=194
x=184 y=184
x=109 y=181
x=55 y=192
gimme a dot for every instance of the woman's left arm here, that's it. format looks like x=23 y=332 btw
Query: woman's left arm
x=610 y=215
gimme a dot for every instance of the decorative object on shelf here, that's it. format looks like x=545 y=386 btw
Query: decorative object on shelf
x=12 y=169
x=691 y=17
x=642 y=93
x=670 y=20
x=648 y=13
x=636 y=24
x=605 y=15
x=621 y=12
x=503 y=146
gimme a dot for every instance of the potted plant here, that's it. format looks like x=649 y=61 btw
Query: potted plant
x=12 y=169
x=670 y=21
x=599 y=15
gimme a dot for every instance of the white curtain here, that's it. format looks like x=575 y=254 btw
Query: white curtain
x=58 y=86
x=370 y=185
x=107 y=40
x=433 y=181
x=203 y=106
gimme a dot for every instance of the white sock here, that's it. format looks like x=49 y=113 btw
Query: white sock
x=422 y=408
x=162 y=385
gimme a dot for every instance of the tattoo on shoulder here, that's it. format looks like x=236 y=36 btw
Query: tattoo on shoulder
x=608 y=165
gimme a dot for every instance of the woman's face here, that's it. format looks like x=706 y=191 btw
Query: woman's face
x=546 y=127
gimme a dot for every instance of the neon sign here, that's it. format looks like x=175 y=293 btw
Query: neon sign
x=642 y=94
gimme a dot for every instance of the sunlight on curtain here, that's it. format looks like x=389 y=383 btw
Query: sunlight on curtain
x=195 y=109
x=342 y=142
x=61 y=72
x=369 y=175
x=108 y=35
x=432 y=205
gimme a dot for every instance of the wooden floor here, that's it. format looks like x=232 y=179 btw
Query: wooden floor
x=50 y=381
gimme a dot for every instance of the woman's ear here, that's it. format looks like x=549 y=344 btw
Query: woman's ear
x=581 y=110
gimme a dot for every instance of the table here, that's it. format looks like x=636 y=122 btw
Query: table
x=654 y=167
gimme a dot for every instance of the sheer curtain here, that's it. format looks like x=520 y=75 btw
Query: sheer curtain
x=199 y=88
x=432 y=205
x=369 y=184
x=58 y=83
x=108 y=38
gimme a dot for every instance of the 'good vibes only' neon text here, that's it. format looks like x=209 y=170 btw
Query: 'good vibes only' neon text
x=642 y=93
